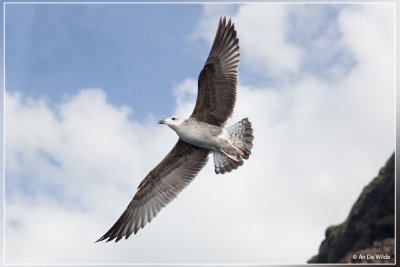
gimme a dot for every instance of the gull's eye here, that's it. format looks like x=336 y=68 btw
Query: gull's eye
x=173 y=119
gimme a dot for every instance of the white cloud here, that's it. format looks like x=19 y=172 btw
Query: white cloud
x=262 y=30
x=317 y=143
x=205 y=28
x=185 y=94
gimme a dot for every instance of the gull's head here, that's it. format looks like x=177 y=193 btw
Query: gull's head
x=172 y=122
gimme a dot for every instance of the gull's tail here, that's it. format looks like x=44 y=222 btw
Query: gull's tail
x=241 y=136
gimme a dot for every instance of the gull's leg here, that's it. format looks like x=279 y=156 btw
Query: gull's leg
x=229 y=156
x=236 y=149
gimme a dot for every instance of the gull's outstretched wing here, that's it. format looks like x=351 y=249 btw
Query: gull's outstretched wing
x=159 y=188
x=218 y=80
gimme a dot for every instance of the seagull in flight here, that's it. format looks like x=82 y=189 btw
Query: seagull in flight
x=202 y=133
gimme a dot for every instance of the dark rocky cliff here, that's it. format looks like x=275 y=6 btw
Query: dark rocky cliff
x=368 y=232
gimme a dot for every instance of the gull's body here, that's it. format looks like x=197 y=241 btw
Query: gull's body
x=204 y=132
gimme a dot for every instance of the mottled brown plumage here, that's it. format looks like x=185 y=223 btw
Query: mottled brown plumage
x=159 y=188
x=217 y=83
x=215 y=102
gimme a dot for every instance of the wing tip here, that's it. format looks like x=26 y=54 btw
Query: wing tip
x=222 y=20
x=108 y=238
x=101 y=239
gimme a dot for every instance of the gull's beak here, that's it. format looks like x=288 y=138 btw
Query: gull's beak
x=161 y=122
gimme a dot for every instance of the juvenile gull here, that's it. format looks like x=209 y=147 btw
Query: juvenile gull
x=203 y=132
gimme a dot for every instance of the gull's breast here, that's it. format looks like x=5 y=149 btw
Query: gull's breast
x=201 y=134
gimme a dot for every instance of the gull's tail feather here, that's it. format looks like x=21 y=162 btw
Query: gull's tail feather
x=241 y=136
x=223 y=164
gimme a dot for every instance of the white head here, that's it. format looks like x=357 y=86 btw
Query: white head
x=172 y=122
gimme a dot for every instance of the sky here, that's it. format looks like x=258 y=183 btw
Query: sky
x=87 y=84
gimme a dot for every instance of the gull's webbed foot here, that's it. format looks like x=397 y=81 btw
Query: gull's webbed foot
x=229 y=156
x=236 y=149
